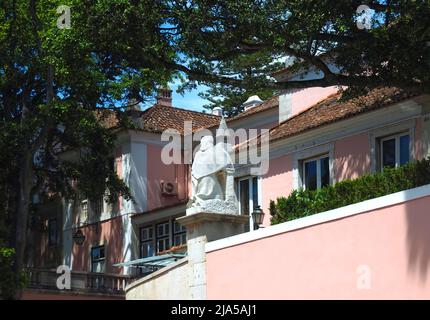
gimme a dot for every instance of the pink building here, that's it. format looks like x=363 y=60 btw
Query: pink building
x=316 y=139
x=375 y=249
x=129 y=230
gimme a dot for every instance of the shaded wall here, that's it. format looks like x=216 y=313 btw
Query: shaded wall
x=351 y=157
x=158 y=172
x=108 y=233
x=277 y=182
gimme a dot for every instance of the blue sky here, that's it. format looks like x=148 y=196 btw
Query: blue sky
x=190 y=100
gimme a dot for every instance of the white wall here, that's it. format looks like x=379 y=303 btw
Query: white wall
x=169 y=283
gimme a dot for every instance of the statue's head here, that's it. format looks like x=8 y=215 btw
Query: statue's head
x=206 y=142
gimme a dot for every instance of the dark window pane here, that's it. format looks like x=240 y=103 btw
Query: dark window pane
x=180 y=239
x=147 y=249
x=163 y=244
x=311 y=175
x=146 y=233
x=404 y=149
x=163 y=229
x=325 y=172
x=179 y=228
x=160 y=245
x=244 y=197
x=52 y=231
x=255 y=191
x=389 y=153
x=97 y=259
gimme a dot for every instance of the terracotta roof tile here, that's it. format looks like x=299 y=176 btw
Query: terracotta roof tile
x=159 y=118
x=332 y=109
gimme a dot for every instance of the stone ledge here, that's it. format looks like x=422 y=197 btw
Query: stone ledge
x=200 y=217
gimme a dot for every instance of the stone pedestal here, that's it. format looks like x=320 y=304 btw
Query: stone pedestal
x=203 y=227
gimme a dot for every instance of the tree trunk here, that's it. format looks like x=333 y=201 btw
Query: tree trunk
x=25 y=184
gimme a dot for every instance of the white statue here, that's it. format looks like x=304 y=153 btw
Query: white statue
x=212 y=177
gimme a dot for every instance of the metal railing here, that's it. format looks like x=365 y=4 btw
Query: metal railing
x=85 y=282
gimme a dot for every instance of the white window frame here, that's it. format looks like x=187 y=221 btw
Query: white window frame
x=100 y=260
x=165 y=236
x=396 y=138
x=250 y=197
x=170 y=236
x=317 y=159
x=309 y=153
x=84 y=211
x=147 y=240
x=375 y=135
x=182 y=233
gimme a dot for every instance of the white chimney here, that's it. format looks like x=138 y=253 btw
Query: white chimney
x=252 y=102
x=217 y=111
x=285 y=106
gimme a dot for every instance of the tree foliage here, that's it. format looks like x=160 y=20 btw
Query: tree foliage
x=52 y=80
x=217 y=37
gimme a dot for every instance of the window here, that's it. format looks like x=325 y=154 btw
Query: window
x=167 y=234
x=98 y=259
x=179 y=234
x=52 y=231
x=97 y=206
x=395 y=150
x=146 y=242
x=163 y=240
x=244 y=196
x=248 y=193
x=84 y=211
x=316 y=172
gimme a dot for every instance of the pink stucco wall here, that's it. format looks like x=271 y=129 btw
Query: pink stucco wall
x=326 y=261
x=109 y=233
x=305 y=98
x=351 y=157
x=157 y=172
x=277 y=182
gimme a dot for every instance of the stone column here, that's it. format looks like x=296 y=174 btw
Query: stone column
x=204 y=227
x=230 y=194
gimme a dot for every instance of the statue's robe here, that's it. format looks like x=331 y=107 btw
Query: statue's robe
x=207 y=164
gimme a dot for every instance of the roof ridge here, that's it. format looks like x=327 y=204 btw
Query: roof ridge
x=183 y=109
